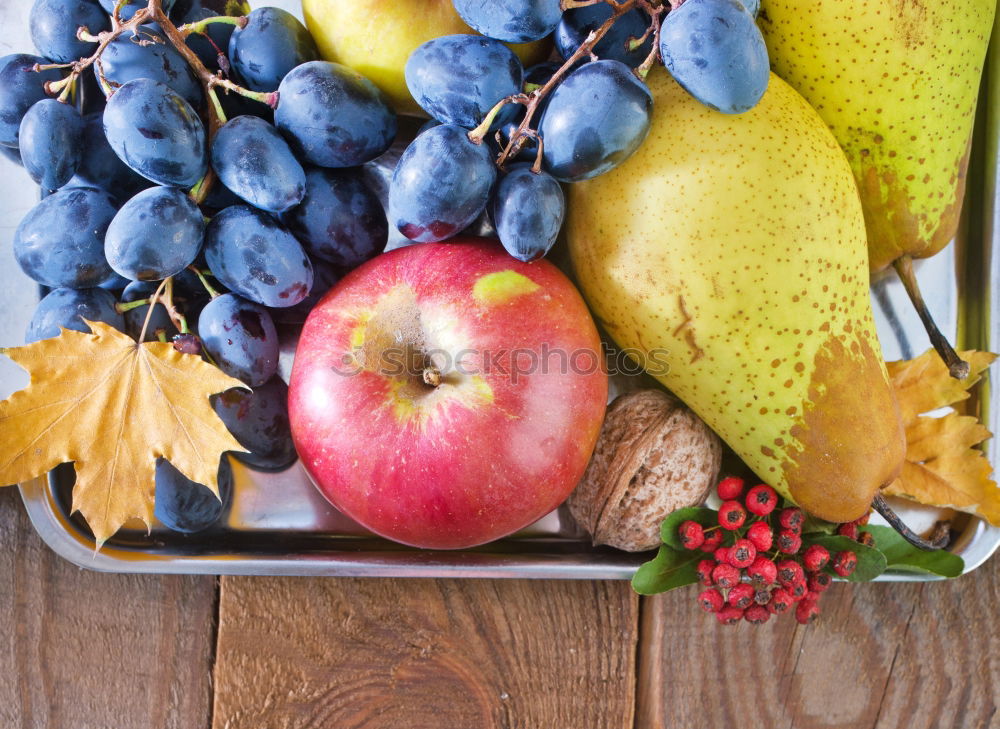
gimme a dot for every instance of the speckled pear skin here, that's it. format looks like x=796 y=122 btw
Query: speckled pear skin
x=737 y=244
x=897 y=82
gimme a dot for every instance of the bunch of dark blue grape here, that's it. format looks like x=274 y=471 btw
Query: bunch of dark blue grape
x=507 y=137
x=165 y=220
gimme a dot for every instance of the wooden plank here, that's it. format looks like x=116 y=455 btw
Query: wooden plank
x=880 y=655
x=364 y=653
x=92 y=651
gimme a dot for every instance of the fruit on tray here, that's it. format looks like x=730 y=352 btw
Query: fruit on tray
x=763 y=304
x=376 y=38
x=653 y=456
x=902 y=108
x=445 y=395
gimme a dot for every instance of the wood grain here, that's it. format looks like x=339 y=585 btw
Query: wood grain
x=98 y=651
x=408 y=654
x=882 y=655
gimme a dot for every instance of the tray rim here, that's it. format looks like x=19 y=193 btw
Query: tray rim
x=976 y=544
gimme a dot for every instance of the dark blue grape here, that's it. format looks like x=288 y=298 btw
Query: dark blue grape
x=129 y=8
x=537 y=75
x=255 y=256
x=186 y=506
x=219 y=33
x=514 y=21
x=114 y=282
x=67 y=308
x=156 y=133
x=124 y=60
x=459 y=78
x=259 y=421
x=20 y=88
x=254 y=161
x=101 y=167
x=51 y=142
x=235 y=105
x=440 y=185
x=60 y=242
x=528 y=211
x=340 y=218
x=272 y=44
x=240 y=337
x=577 y=24
x=155 y=234
x=333 y=116
x=579 y=144
x=714 y=49
x=135 y=318
x=53 y=25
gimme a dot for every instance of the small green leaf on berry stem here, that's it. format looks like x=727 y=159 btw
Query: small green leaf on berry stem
x=668 y=570
x=902 y=555
x=871 y=562
x=700 y=514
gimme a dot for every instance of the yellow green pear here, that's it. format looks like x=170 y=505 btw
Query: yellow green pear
x=375 y=37
x=737 y=244
x=897 y=83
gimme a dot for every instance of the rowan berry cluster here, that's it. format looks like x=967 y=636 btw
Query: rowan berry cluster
x=758 y=566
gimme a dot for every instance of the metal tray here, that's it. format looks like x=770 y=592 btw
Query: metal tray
x=279 y=524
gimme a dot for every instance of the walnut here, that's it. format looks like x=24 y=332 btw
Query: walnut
x=653 y=456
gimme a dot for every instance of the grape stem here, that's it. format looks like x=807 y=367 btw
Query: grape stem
x=199 y=27
x=204 y=281
x=152 y=299
x=525 y=130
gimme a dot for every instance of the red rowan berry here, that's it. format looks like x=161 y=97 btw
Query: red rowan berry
x=762 y=597
x=863 y=520
x=730 y=488
x=732 y=515
x=849 y=530
x=792 y=518
x=798 y=590
x=729 y=615
x=789 y=542
x=741 y=596
x=790 y=572
x=815 y=557
x=761 y=500
x=781 y=600
x=819 y=581
x=726 y=576
x=712 y=541
x=866 y=539
x=705 y=568
x=760 y=535
x=742 y=553
x=844 y=563
x=763 y=570
x=722 y=555
x=711 y=600
x=757 y=614
x=806 y=611
x=692 y=534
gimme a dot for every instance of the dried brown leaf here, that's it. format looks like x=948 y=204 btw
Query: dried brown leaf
x=112 y=407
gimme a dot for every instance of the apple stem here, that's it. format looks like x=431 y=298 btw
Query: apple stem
x=939 y=537
x=957 y=367
x=432 y=376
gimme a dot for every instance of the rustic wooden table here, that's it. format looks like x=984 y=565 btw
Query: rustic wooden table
x=96 y=651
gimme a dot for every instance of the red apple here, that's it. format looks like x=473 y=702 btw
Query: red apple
x=444 y=395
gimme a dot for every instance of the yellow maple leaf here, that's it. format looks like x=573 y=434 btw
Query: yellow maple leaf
x=112 y=407
x=943 y=465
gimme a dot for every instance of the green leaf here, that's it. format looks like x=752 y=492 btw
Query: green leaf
x=902 y=555
x=871 y=562
x=668 y=529
x=817 y=526
x=669 y=569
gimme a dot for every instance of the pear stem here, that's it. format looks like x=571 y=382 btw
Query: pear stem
x=957 y=367
x=939 y=538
